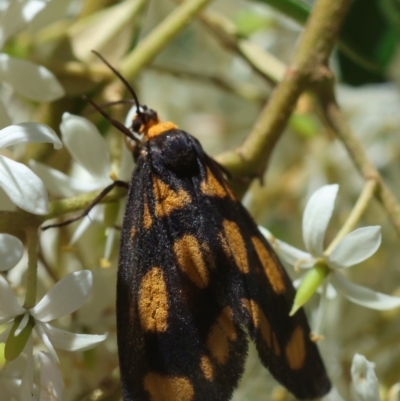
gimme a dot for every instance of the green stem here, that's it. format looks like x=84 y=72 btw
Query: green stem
x=31 y=278
x=15 y=222
x=159 y=37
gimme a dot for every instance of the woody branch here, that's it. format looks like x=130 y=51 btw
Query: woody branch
x=308 y=70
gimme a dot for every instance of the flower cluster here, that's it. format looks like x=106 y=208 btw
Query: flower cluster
x=22 y=326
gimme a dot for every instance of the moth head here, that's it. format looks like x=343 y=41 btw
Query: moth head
x=143 y=119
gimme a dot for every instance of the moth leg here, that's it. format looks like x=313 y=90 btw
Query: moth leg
x=95 y=201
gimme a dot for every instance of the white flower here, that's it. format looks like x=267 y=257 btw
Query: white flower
x=17 y=378
x=20 y=184
x=65 y=297
x=365 y=382
x=90 y=151
x=28 y=79
x=352 y=249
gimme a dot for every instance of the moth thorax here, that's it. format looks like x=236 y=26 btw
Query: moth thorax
x=160 y=128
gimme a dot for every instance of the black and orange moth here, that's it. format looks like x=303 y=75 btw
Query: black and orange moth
x=196 y=278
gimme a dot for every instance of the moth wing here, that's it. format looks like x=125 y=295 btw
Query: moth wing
x=264 y=296
x=176 y=341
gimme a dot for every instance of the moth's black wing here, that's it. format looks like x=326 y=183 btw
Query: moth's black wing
x=177 y=340
x=195 y=272
x=263 y=295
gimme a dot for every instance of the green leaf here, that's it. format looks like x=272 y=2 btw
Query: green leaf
x=369 y=31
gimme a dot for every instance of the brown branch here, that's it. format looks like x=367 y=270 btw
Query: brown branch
x=306 y=68
x=336 y=120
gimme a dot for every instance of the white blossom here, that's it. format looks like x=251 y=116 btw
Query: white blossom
x=17 y=182
x=352 y=249
x=365 y=382
x=65 y=297
x=17 y=379
x=26 y=78
x=90 y=152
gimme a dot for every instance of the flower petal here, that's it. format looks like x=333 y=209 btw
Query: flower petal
x=51 y=383
x=365 y=382
x=290 y=254
x=96 y=214
x=26 y=388
x=72 y=341
x=30 y=80
x=86 y=145
x=363 y=296
x=331 y=293
x=294 y=256
x=60 y=184
x=41 y=331
x=32 y=8
x=28 y=132
x=355 y=247
x=16 y=17
x=23 y=187
x=11 y=251
x=64 y=297
x=127 y=164
x=22 y=324
x=316 y=217
x=9 y=306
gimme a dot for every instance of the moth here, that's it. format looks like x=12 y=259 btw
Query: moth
x=197 y=280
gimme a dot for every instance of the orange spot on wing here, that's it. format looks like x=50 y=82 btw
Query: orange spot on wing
x=234 y=246
x=222 y=331
x=271 y=268
x=207 y=368
x=166 y=199
x=296 y=349
x=189 y=254
x=212 y=187
x=261 y=323
x=160 y=128
x=153 y=301
x=147 y=220
x=168 y=388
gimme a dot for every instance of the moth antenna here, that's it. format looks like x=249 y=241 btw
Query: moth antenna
x=121 y=127
x=112 y=103
x=124 y=81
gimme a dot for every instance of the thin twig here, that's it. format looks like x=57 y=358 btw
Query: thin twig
x=14 y=222
x=160 y=37
x=336 y=120
x=247 y=91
